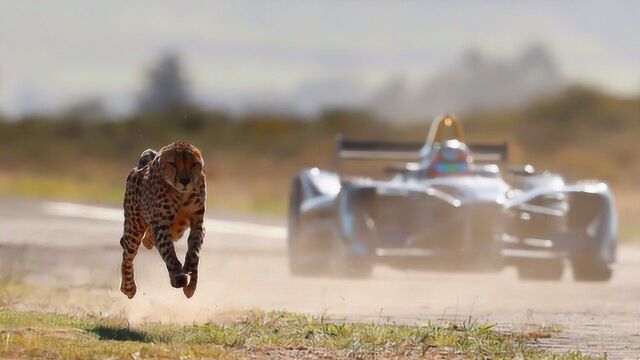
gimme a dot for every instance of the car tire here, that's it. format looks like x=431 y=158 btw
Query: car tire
x=352 y=257
x=549 y=270
x=590 y=270
x=302 y=261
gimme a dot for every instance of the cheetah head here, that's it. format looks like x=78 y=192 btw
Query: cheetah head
x=182 y=166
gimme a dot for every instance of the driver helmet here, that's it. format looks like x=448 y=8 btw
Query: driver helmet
x=450 y=157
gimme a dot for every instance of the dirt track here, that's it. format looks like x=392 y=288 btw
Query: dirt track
x=242 y=270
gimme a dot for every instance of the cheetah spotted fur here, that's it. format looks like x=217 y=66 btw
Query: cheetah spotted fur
x=165 y=194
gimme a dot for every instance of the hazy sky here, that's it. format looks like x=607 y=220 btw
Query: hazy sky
x=56 y=52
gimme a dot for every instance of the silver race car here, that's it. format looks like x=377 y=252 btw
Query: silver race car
x=456 y=206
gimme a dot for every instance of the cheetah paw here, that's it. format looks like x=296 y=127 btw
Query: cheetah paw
x=179 y=280
x=129 y=291
x=190 y=289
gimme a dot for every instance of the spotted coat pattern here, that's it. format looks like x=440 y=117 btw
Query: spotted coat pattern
x=165 y=194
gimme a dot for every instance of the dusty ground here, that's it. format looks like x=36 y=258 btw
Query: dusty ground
x=244 y=267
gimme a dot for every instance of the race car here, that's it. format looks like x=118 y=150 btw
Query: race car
x=448 y=206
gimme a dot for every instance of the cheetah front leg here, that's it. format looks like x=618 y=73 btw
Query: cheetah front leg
x=164 y=243
x=196 y=237
x=130 y=242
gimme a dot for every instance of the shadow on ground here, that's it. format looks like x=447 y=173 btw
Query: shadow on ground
x=120 y=334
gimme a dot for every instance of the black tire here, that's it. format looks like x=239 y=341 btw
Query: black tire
x=593 y=252
x=301 y=263
x=549 y=270
x=318 y=257
x=347 y=263
x=590 y=270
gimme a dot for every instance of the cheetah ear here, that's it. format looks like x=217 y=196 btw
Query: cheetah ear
x=146 y=157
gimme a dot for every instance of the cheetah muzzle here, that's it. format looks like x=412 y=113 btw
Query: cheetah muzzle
x=165 y=194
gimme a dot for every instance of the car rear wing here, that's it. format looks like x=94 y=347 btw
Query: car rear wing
x=409 y=151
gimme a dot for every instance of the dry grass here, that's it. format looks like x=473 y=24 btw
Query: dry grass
x=28 y=330
x=258 y=334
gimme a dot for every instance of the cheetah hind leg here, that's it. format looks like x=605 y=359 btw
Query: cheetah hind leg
x=148 y=239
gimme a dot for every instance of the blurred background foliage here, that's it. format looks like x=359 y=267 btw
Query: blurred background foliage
x=581 y=132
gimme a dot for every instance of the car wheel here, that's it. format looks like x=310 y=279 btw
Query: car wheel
x=585 y=270
x=302 y=259
x=551 y=270
x=353 y=257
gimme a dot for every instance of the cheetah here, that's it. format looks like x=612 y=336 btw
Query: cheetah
x=165 y=194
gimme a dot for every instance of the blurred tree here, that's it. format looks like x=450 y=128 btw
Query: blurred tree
x=166 y=88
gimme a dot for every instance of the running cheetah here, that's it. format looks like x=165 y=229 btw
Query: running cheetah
x=165 y=194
